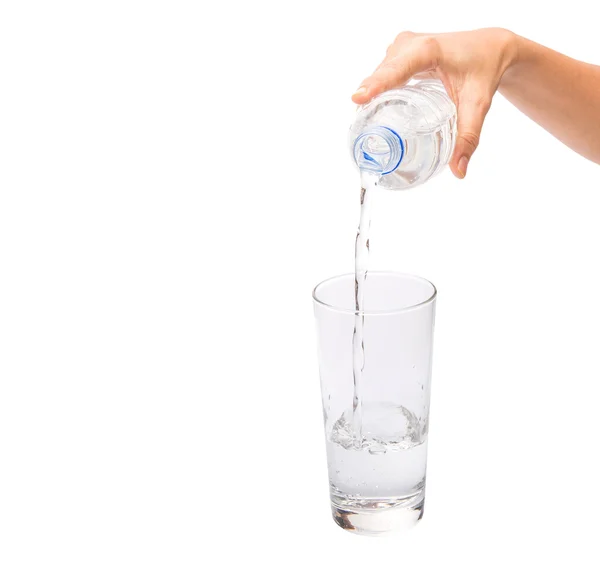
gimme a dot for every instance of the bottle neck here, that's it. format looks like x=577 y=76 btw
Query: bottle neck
x=378 y=150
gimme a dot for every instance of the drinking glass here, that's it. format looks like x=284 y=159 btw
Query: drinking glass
x=376 y=434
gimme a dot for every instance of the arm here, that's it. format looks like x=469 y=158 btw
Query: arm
x=557 y=92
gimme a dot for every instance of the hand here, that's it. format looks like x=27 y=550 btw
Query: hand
x=470 y=65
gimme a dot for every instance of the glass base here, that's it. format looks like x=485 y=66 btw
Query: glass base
x=378 y=517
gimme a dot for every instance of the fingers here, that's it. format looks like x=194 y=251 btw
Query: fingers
x=472 y=108
x=417 y=55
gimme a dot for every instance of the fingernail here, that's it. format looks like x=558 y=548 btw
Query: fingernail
x=462 y=166
x=360 y=91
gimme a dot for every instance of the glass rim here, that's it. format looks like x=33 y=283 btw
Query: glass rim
x=364 y=312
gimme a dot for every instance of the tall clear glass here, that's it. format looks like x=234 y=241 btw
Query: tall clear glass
x=376 y=436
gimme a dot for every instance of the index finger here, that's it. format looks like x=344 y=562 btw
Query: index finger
x=420 y=55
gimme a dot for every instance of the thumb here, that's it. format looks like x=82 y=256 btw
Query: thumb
x=471 y=114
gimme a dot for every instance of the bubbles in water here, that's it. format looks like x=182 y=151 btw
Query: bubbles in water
x=384 y=427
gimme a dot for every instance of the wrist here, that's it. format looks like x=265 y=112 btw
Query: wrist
x=512 y=50
x=509 y=49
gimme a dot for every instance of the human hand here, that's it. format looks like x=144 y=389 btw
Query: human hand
x=469 y=64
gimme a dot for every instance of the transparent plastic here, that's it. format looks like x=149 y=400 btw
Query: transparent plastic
x=405 y=135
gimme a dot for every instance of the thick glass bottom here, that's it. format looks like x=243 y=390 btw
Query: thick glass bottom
x=377 y=517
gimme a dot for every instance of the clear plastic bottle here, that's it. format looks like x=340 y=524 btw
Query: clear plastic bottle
x=405 y=135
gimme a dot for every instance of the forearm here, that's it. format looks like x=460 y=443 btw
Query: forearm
x=559 y=93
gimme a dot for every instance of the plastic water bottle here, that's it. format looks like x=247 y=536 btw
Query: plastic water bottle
x=405 y=135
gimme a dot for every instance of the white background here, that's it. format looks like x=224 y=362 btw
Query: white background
x=174 y=180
